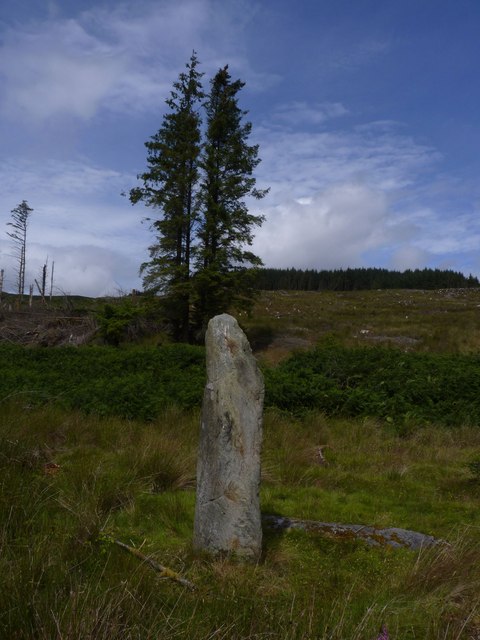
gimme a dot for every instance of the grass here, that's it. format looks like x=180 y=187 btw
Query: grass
x=69 y=476
x=135 y=481
x=443 y=321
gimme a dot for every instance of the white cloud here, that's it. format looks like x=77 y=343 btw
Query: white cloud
x=121 y=59
x=53 y=178
x=359 y=197
x=337 y=197
x=58 y=68
x=80 y=270
x=410 y=257
x=332 y=228
x=86 y=270
x=302 y=162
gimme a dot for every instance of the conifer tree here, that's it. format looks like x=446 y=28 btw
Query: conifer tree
x=200 y=259
x=223 y=262
x=170 y=186
x=19 y=224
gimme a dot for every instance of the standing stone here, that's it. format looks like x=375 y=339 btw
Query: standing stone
x=227 y=512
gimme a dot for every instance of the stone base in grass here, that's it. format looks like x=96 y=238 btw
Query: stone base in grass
x=375 y=537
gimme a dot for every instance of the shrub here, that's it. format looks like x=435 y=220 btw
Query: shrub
x=138 y=382
x=404 y=389
x=390 y=384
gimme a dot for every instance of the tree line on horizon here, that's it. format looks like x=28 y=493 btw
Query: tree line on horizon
x=364 y=278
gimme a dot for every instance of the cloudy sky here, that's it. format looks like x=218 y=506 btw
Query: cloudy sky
x=366 y=113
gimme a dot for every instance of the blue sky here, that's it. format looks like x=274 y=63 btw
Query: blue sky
x=366 y=113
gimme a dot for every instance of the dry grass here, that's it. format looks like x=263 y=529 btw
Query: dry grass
x=445 y=320
x=134 y=481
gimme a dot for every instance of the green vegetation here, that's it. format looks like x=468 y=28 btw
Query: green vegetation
x=61 y=578
x=99 y=443
x=411 y=388
x=132 y=383
x=170 y=184
x=196 y=183
x=406 y=389
x=129 y=319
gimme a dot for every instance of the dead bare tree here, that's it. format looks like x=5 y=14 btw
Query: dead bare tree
x=51 y=281
x=44 y=280
x=19 y=225
x=2 y=273
x=42 y=288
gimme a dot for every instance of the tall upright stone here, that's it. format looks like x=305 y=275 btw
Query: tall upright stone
x=227 y=512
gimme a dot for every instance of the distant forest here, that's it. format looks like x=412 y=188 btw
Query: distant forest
x=358 y=279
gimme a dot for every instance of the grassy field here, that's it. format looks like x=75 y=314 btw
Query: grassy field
x=444 y=321
x=70 y=483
